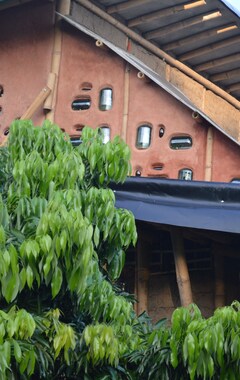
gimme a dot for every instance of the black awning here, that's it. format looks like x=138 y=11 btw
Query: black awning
x=204 y=205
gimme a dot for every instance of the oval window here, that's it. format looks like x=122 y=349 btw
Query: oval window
x=75 y=140
x=1 y=90
x=143 y=137
x=235 y=180
x=81 y=104
x=106 y=134
x=105 y=99
x=185 y=174
x=181 y=142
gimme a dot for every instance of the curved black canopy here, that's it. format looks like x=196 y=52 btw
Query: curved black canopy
x=203 y=205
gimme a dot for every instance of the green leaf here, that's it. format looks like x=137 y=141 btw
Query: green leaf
x=56 y=282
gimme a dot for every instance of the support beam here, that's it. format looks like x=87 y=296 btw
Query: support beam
x=219 y=297
x=218 y=62
x=233 y=88
x=225 y=75
x=209 y=48
x=142 y=273
x=199 y=36
x=126 y=5
x=42 y=96
x=125 y=102
x=182 y=274
x=184 y=24
x=209 y=154
x=165 y=12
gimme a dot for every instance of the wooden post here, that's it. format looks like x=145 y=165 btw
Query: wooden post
x=219 y=299
x=42 y=96
x=209 y=154
x=125 y=103
x=183 y=280
x=142 y=274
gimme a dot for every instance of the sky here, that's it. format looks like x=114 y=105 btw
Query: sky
x=234 y=5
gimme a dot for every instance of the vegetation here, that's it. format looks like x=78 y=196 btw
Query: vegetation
x=62 y=250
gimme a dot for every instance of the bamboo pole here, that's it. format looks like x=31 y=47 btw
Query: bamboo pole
x=165 y=12
x=209 y=154
x=63 y=7
x=125 y=102
x=142 y=274
x=209 y=48
x=159 y=52
x=182 y=25
x=200 y=36
x=182 y=274
x=225 y=75
x=48 y=104
x=42 y=96
x=218 y=62
x=219 y=298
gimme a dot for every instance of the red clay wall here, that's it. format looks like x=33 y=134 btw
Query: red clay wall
x=26 y=46
x=26 y=49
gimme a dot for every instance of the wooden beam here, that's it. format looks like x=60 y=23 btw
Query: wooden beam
x=125 y=102
x=165 y=12
x=42 y=96
x=184 y=24
x=126 y=5
x=142 y=273
x=209 y=154
x=13 y=3
x=225 y=75
x=199 y=36
x=182 y=274
x=233 y=88
x=217 y=62
x=209 y=48
x=219 y=296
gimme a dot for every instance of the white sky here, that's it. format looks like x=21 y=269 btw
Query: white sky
x=234 y=5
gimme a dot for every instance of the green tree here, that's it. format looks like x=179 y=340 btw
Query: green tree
x=62 y=249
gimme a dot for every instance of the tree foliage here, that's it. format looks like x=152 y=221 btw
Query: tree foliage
x=62 y=250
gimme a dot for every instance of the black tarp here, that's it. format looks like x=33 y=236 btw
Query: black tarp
x=204 y=205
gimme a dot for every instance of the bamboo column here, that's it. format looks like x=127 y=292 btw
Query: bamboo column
x=63 y=7
x=182 y=274
x=125 y=102
x=219 y=298
x=142 y=274
x=209 y=154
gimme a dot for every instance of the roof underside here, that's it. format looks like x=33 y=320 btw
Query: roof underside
x=203 y=34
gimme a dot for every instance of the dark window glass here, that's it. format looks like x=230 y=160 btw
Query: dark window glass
x=81 y=104
x=236 y=180
x=1 y=90
x=185 y=174
x=76 y=140
x=106 y=99
x=181 y=142
x=143 y=137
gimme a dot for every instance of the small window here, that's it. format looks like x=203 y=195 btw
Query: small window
x=105 y=99
x=157 y=167
x=1 y=110
x=1 y=91
x=181 y=142
x=81 y=103
x=6 y=132
x=161 y=130
x=86 y=86
x=106 y=134
x=143 y=137
x=185 y=174
x=236 y=180
x=75 y=140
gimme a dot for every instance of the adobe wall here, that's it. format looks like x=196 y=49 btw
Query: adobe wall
x=26 y=46
x=26 y=51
